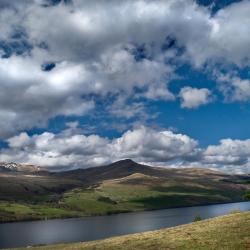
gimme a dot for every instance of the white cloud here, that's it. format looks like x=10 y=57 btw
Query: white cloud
x=71 y=149
x=193 y=97
x=233 y=87
x=120 y=108
x=235 y=152
x=93 y=45
x=146 y=145
x=230 y=155
x=76 y=150
x=230 y=33
x=29 y=96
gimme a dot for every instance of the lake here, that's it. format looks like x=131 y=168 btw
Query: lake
x=22 y=234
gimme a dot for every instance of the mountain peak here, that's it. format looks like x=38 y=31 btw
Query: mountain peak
x=124 y=162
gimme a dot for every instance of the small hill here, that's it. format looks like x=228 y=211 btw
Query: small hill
x=229 y=232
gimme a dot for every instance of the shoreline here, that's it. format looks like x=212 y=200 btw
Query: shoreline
x=120 y=241
x=119 y=212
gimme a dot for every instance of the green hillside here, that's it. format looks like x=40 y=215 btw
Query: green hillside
x=120 y=187
x=142 y=192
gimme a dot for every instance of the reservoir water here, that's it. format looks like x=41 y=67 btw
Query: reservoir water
x=22 y=234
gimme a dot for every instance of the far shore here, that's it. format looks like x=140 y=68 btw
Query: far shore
x=119 y=212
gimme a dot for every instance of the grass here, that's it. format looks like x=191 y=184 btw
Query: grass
x=139 y=192
x=229 y=232
x=48 y=197
x=247 y=195
x=10 y=211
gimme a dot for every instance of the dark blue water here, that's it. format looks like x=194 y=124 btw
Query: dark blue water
x=22 y=234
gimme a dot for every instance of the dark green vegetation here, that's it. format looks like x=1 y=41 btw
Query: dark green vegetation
x=229 y=232
x=197 y=218
x=247 y=195
x=120 y=187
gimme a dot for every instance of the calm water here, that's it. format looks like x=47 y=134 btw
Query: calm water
x=22 y=234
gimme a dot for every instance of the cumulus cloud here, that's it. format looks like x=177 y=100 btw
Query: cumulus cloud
x=193 y=97
x=29 y=96
x=94 y=54
x=58 y=58
x=90 y=30
x=147 y=145
x=235 y=152
x=230 y=154
x=74 y=150
x=233 y=87
x=121 y=109
x=71 y=149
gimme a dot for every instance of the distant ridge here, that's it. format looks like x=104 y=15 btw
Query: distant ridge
x=126 y=167
x=16 y=167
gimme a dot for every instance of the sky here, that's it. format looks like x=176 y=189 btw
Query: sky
x=86 y=83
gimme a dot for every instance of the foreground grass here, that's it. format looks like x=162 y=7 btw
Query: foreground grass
x=229 y=232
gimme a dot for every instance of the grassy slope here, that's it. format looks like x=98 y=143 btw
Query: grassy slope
x=228 y=232
x=141 y=192
x=24 y=197
x=27 y=197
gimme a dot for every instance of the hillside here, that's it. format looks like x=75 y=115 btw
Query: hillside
x=123 y=186
x=227 y=232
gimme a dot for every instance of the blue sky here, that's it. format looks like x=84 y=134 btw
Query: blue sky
x=165 y=83
x=221 y=118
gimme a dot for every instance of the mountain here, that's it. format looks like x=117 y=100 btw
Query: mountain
x=15 y=167
x=129 y=167
x=114 y=170
x=122 y=186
